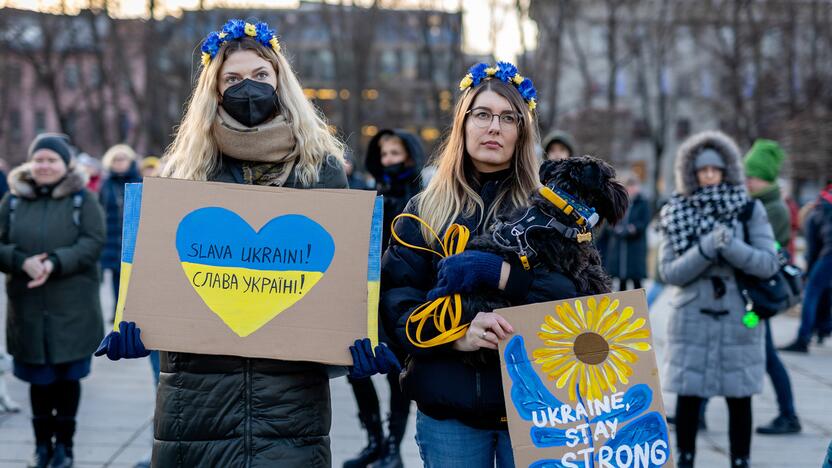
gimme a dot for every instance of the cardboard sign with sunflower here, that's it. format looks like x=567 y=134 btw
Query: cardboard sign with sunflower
x=581 y=384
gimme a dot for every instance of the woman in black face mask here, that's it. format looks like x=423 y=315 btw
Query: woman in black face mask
x=395 y=159
x=228 y=410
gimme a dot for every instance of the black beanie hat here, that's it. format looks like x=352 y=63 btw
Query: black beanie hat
x=57 y=142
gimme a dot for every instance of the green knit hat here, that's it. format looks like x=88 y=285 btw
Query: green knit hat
x=763 y=160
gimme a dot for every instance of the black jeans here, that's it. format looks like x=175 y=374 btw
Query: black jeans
x=739 y=424
x=779 y=376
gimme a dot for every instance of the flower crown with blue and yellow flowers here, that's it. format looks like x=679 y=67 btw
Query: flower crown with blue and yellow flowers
x=237 y=29
x=505 y=72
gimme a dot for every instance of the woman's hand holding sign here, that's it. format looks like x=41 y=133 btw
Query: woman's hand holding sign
x=125 y=343
x=485 y=331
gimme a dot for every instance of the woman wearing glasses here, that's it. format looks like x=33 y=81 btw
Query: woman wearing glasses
x=486 y=167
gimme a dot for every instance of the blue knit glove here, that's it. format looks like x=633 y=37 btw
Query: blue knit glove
x=366 y=364
x=125 y=344
x=465 y=272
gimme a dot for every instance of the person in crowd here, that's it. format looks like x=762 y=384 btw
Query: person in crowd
x=625 y=252
x=711 y=351
x=394 y=158
x=120 y=164
x=485 y=168
x=51 y=234
x=819 y=265
x=150 y=166
x=762 y=167
x=558 y=145
x=247 y=122
x=355 y=178
x=93 y=168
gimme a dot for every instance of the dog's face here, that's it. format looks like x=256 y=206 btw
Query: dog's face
x=592 y=181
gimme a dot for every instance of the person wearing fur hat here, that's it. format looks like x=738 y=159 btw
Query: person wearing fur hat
x=558 y=145
x=711 y=351
x=762 y=167
x=51 y=234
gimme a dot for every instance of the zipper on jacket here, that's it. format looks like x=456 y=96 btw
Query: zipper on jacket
x=247 y=428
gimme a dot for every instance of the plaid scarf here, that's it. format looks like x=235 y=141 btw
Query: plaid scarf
x=685 y=219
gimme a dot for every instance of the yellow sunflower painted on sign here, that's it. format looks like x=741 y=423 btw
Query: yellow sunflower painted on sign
x=590 y=347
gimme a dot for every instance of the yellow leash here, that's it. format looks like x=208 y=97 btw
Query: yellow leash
x=446 y=312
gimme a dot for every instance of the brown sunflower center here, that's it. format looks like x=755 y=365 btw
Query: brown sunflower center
x=591 y=348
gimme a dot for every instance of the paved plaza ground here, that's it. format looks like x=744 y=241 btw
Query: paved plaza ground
x=114 y=424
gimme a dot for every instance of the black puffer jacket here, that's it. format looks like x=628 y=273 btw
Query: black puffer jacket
x=238 y=412
x=445 y=383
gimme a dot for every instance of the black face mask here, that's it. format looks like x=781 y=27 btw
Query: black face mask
x=250 y=102
x=395 y=169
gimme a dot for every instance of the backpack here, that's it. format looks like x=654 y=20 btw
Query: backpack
x=77 y=203
x=768 y=297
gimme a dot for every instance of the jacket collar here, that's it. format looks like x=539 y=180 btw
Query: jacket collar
x=22 y=184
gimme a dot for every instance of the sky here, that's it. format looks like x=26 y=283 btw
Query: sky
x=477 y=17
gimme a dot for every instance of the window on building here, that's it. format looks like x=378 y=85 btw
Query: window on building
x=410 y=64
x=388 y=64
x=40 y=121
x=124 y=126
x=71 y=124
x=14 y=75
x=71 y=76
x=621 y=83
x=15 y=127
x=682 y=128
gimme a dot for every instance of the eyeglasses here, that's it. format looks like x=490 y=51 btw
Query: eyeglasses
x=482 y=118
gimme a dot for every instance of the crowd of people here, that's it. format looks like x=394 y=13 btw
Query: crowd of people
x=248 y=122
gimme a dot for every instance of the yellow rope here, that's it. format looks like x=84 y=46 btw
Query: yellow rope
x=446 y=311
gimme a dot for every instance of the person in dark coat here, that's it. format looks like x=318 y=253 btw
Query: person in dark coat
x=120 y=164
x=625 y=249
x=51 y=233
x=711 y=351
x=485 y=168
x=395 y=159
x=819 y=265
x=241 y=127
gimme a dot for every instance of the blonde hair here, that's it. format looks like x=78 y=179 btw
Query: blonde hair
x=193 y=155
x=121 y=148
x=449 y=195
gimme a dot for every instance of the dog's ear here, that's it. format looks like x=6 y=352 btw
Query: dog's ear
x=615 y=201
x=547 y=170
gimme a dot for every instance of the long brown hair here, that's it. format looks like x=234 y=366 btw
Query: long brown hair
x=449 y=194
x=193 y=154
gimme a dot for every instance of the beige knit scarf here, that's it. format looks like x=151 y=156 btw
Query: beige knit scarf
x=268 y=150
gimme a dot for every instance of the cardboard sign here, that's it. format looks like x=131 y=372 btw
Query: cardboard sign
x=582 y=386
x=252 y=271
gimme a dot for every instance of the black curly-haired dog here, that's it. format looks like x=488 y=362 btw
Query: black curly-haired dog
x=589 y=180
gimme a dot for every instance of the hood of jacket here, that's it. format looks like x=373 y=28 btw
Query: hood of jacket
x=22 y=184
x=411 y=143
x=685 y=169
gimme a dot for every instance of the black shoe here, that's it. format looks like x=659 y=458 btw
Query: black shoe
x=375 y=445
x=781 y=425
x=392 y=457
x=685 y=460
x=798 y=346
x=740 y=462
x=41 y=457
x=62 y=458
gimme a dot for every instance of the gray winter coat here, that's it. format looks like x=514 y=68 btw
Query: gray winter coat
x=710 y=354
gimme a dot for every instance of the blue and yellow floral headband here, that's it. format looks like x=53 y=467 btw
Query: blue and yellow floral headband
x=505 y=72
x=237 y=29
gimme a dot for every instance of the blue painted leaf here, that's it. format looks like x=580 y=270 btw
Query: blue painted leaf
x=548 y=437
x=527 y=391
x=556 y=464
x=647 y=429
x=637 y=399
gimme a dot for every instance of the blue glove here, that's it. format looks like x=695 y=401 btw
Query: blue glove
x=464 y=272
x=366 y=364
x=127 y=344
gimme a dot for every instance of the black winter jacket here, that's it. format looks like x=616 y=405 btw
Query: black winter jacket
x=445 y=383
x=232 y=411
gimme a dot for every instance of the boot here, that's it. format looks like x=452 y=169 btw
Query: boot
x=685 y=460
x=62 y=458
x=44 y=427
x=798 y=346
x=740 y=462
x=392 y=456
x=374 y=448
x=781 y=425
x=64 y=433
